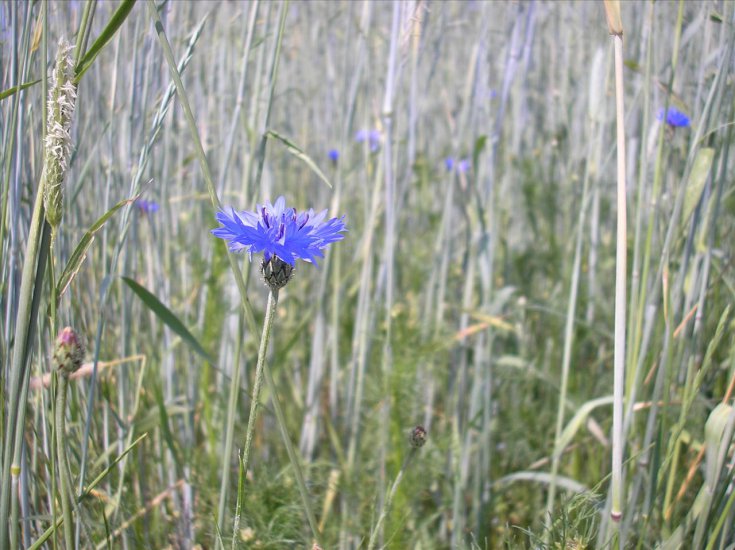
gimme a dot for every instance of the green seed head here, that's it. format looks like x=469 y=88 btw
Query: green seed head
x=61 y=100
x=68 y=352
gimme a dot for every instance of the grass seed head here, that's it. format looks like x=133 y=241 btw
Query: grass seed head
x=61 y=101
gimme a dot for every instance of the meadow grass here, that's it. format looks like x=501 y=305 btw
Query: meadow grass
x=473 y=298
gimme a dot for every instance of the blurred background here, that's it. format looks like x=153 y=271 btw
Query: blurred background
x=471 y=148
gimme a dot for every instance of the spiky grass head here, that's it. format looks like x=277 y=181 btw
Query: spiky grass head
x=61 y=100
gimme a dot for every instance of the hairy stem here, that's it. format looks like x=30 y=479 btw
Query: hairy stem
x=64 y=481
x=264 y=338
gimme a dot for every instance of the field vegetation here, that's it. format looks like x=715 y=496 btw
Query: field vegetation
x=493 y=355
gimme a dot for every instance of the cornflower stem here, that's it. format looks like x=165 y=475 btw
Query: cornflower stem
x=260 y=371
x=237 y=367
x=386 y=508
x=61 y=460
x=270 y=311
x=181 y=92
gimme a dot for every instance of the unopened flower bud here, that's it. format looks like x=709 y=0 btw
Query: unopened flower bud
x=276 y=273
x=417 y=438
x=68 y=352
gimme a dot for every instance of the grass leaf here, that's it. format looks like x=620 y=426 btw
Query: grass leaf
x=15 y=89
x=697 y=179
x=577 y=420
x=167 y=316
x=296 y=151
x=480 y=143
x=105 y=36
x=80 y=252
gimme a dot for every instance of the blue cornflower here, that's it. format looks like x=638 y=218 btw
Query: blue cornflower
x=147 y=207
x=374 y=138
x=333 y=155
x=674 y=118
x=462 y=166
x=279 y=232
x=371 y=136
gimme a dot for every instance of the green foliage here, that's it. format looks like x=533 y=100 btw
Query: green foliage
x=574 y=527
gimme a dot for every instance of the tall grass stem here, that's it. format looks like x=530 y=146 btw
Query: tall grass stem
x=19 y=373
x=620 y=291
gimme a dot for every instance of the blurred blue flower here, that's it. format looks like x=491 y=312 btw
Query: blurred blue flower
x=333 y=155
x=674 y=117
x=147 y=207
x=374 y=138
x=462 y=166
x=4 y=28
x=371 y=136
x=279 y=231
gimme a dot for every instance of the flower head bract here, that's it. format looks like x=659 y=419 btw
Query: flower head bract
x=279 y=231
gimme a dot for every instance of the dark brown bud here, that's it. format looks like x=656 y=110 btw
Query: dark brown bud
x=417 y=437
x=276 y=273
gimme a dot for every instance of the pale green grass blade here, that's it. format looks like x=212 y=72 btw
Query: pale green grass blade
x=697 y=179
x=296 y=151
x=579 y=418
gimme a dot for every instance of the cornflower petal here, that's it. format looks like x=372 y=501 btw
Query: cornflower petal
x=276 y=230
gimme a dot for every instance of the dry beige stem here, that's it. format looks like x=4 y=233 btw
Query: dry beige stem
x=85 y=371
